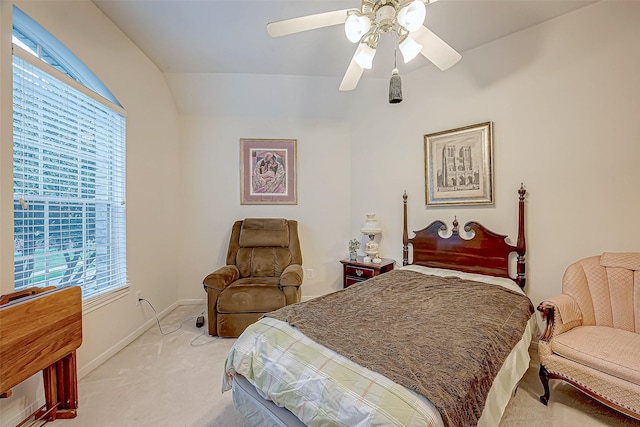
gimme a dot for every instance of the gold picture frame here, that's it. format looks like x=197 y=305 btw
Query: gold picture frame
x=268 y=172
x=458 y=166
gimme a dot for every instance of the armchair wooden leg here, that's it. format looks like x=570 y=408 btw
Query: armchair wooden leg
x=544 y=379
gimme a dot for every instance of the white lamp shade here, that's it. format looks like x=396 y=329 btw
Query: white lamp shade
x=364 y=56
x=371 y=226
x=412 y=16
x=355 y=27
x=410 y=49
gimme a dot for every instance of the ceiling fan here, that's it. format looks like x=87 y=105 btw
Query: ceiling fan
x=365 y=25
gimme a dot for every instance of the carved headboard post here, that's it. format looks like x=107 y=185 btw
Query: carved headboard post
x=521 y=247
x=405 y=235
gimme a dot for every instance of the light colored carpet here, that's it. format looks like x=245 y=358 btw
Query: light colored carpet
x=175 y=380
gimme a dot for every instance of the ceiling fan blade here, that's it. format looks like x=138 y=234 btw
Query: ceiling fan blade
x=309 y=22
x=435 y=49
x=352 y=76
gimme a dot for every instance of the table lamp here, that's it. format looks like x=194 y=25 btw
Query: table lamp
x=371 y=228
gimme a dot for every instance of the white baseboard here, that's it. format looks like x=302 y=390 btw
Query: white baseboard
x=22 y=413
x=110 y=352
x=192 y=301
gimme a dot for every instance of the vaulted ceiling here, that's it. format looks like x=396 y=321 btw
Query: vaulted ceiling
x=211 y=36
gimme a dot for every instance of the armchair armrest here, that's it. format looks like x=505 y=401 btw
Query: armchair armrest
x=561 y=313
x=292 y=275
x=290 y=281
x=221 y=278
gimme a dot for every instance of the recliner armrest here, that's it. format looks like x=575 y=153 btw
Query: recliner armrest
x=561 y=313
x=292 y=275
x=222 y=277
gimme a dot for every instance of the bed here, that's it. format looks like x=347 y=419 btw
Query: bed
x=442 y=341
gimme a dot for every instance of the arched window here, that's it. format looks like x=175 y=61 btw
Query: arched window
x=68 y=168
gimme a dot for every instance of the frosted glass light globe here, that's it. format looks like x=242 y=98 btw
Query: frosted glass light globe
x=412 y=16
x=355 y=27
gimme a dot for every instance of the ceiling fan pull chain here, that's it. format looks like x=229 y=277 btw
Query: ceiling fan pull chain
x=395 y=84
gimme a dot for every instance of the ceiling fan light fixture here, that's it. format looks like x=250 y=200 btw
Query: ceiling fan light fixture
x=364 y=56
x=356 y=26
x=412 y=16
x=385 y=18
x=409 y=48
x=365 y=26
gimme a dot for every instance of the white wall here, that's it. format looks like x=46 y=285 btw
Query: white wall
x=211 y=194
x=153 y=153
x=564 y=100
x=220 y=109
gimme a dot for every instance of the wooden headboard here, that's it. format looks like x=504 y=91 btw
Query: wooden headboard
x=484 y=252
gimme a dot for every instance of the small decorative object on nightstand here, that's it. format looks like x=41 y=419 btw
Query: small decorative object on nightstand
x=354 y=245
x=359 y=271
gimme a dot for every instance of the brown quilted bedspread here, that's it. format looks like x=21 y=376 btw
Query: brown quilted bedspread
x=444 y=338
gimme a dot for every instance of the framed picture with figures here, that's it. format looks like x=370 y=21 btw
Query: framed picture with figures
x=268 y=172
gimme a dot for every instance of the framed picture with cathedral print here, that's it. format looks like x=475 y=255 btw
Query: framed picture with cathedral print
x=268 y=172
x=458 y=168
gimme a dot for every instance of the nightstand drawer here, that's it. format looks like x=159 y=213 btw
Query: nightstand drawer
x=356 y=271
x=359 y=272
x=351 y=280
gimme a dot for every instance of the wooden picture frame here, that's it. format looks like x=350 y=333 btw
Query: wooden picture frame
x=458 y=166
x=268 y=172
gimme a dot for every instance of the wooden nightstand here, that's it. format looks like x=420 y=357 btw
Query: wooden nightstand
x=358 y=271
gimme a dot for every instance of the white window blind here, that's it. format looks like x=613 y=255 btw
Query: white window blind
x=69 y=182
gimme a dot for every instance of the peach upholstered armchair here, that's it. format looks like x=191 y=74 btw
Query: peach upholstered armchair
x=592 y=338
x=263 y=272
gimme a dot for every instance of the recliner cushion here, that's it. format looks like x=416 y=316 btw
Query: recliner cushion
x=243 y=297
x=613 y=351
x=264 y=232
x=262 y=262
x=231 y=325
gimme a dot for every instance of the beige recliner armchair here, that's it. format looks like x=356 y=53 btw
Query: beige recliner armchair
x=263 y=273
x=592 y=338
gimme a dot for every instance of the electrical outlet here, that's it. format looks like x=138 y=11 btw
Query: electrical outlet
x=309 y=273
x=138 y=296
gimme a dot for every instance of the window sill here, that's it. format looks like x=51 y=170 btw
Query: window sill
x=98 y=301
